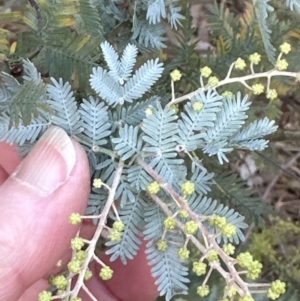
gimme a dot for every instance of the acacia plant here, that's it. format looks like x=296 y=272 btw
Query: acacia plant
x=152 y=137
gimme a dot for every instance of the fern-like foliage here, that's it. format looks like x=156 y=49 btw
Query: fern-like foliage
x=161 y=133
x=22 y=133
x=167 y=267
x=132 y=215
x=224 y=24
x=111 y=85
x=235 y=193
x=249 y=137
x=23 y=101
x=123 y=125
x=133 y=114
x=156 y=10
x=149 y=35
x=95 y=122
x=90 y=19
x=261 y=10
x=229 y=119
x=128 y=143
x=207 y=206
x=293 y=4
x=173 y=14
x=192 y=122
x=62 y=102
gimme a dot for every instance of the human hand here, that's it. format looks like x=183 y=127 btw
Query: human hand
x=37 y=196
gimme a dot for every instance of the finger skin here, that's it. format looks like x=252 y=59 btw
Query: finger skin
x=9 y=158
x=130 y=282
x=34 y=229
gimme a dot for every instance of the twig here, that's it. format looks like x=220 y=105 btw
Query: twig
x=101 y=224
x=242 y=287
x=34 y=4
x=269 y=74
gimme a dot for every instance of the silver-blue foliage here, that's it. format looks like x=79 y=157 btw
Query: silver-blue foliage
x=132 y=215
x=116 y=85
x=64 y=106
x=293 y=4
x=167 y=267
x=112 y=129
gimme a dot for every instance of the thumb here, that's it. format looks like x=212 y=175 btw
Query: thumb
x=35 y=203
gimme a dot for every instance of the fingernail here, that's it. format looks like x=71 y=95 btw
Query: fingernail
x=50 y=162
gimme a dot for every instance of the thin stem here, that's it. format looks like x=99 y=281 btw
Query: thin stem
x=230 y=70
x=172 y=89
x=89 y=293
x=259 y=284
x=251 y=68
x=242 y=287
x=201 y=81
x=241 y=79
x=102 y=221
x=208 y=275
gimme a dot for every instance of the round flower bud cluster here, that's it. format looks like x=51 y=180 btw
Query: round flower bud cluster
x=213 y=81
x=254 y=267
x=227 y=94
x=282 y=64
x=88 y=274
x=148 y=111
x=188 y=188
x=106 y=273
x=162 y=245
x=77 y=261
x=74 y=266
x=231 y=291
x=60 y=281
x=175 y=108
x=116 y=233
x=75 y=218
x=217 y=221
x=272 y=94
x=285 y=48
x=240 y=64
x=258 y=89
x=77 y=243
x=246 y=298
x=97 y=183
x=153 y=187
x=170 y=223
x=183 y=213
x=213 y=256
x=277 y=288
x=81 y=255
x=229 y=248
x=255 y=58
x=119 y=225
x=203 y=290
x=205 y=72
x=183 y=253
x=227 y=229
x=198 y=106
x=175 y=75
x=199 y=268
x=45 y=296
x=190 y=227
